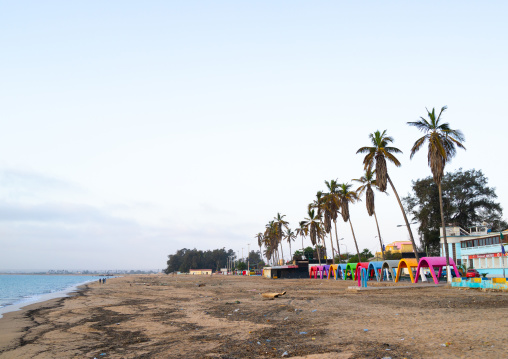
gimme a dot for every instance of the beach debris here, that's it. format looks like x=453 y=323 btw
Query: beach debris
x=268 y=340
x=315 y=310
x=365 y=330
x=446 y=344
x=286 y=318
x=285 y=354
x=302 y=333
x=201 y=284
x=272 y=295
x=235 y=302
x=236 y=310
x=259 y=343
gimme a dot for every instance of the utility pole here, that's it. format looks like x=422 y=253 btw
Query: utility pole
x=248 y=258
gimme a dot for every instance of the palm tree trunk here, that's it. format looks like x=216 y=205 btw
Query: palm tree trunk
x=318 y=254
x=415 y=249
x=290 y=253
x=356 y=244
x=282 y=252
x=379 y=236
x=447 y=255
x=324 y=246
x=337 y=239
x=333 y=251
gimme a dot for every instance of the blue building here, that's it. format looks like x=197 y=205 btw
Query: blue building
x=478 y=248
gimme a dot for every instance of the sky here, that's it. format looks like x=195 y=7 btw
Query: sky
x=132 y=129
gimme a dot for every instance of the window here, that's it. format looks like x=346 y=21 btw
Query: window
x=495 y=240
x=462 y=244
x=482 y=242
x=488 y=241
x=475 y=244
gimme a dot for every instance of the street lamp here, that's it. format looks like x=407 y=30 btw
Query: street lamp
x=347 y=253
x=248 y=259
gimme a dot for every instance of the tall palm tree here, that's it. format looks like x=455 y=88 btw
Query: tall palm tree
x=368 y=181
x=442 y=148
x=318 y=204
x=260 y=239
x=279 y=224
x=333 y=187
x=270 y=238
x=302 y=232
x=377 y=154
x=331 y=206
x=290 y=236
x=346 y=197
x=315 y=230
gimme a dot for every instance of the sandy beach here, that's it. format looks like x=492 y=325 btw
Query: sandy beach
x=186 y=316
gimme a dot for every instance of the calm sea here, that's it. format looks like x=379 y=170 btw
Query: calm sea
x=23 y=289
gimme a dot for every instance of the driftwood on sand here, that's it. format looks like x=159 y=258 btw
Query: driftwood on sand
x=272 y=295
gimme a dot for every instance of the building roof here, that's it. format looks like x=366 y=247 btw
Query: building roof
x=398 y=244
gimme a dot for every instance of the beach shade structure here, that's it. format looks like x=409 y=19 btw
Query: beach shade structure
x=333 y=271
x=314 y=270
x=433 y=263
x=341 y=271
x=375 y=270
x=326 y=271
x=410 y=264
x=358 y=269
x=350 y=267
x=391 y=267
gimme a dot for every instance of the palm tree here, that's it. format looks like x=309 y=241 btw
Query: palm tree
x=378 y=154
x=367 y=181
x=314 y=228
x=346 y=197
x=279 y=222
x=270 y=239
x=290 y=236
x=332 y=203
x=302 y=232
x=260 y=239
x=442 y=141
x=318 y=203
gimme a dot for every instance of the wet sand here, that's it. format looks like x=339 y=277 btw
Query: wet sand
x=184 y=316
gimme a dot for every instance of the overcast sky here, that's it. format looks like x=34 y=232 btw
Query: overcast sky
x=132 y=129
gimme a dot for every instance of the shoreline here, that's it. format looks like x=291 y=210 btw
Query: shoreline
x=40 y=298
x=14 y=323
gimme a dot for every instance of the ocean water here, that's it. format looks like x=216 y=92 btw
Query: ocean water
x=18 y=290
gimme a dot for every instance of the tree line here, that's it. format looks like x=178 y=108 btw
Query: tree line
x=185 y=259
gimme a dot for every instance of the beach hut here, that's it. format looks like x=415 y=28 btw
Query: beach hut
x=375 y=270
x=350 y=267
x=410 y=264
x=389 y=269
x=433 y=263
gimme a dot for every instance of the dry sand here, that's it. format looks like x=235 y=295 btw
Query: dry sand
x=226 y=317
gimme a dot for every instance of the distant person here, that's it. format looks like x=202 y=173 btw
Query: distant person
x=104 y=280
